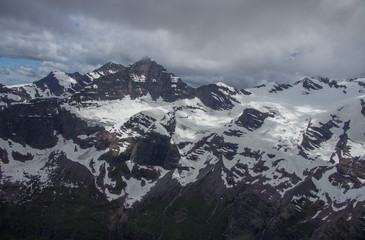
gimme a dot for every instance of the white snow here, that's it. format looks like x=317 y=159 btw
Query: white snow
x=94 y=75
x=185 y=177
x=280 y=135
x=137 y=78
x=336 y=193
x=174 y=79
x=64 y=80
x=10 y=96
x=19 y=171
x=135 y=191
x=223 y=85
x=34 y=92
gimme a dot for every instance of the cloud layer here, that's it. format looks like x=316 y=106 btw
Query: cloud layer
x=241 y=42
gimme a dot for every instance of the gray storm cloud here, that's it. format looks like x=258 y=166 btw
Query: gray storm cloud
x=241 y=42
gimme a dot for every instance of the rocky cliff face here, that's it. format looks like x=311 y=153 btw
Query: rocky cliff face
x=135 y=153
x=144 y=77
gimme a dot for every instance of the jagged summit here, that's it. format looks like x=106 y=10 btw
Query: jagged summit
x=148 y=68
x=139 y=79
x=110 y=66
x=146 y=59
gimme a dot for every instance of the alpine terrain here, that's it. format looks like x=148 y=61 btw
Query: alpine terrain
x=135 y=153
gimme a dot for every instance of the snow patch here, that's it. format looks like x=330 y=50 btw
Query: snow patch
x=136 y=78
x=174 y=79
x=223 y=85
x=64 y=80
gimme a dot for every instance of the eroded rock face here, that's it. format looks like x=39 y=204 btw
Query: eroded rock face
x=30 y=124
x=52 y=84
x=149 y=76
x=212 y=96
x=65 y=171
x=155 y=150
x=137 y=80
x=38 y=123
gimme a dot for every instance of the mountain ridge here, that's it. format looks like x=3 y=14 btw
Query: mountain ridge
x=165 y=160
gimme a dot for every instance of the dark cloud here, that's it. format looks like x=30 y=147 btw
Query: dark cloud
x=241 y=42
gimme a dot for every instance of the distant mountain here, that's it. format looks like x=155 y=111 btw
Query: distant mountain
x=135 y=153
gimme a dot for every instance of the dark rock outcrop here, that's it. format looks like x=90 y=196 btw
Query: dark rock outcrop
x=362 y=107
x=252 y=119
x=279 y=87
x=309 y=84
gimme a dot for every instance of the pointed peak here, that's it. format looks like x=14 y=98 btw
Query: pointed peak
x=310 y=83
x=314 y=79
x=111 y=66
x=52 y=76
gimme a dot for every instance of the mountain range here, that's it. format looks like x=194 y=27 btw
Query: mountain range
x=135 y=153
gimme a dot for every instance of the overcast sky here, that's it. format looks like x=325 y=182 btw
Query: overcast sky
x=240 y=42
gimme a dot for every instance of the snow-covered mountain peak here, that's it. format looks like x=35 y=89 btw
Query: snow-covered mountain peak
x=225 y=86
x=111 y=66
x=139 y=135
x=310 y=83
